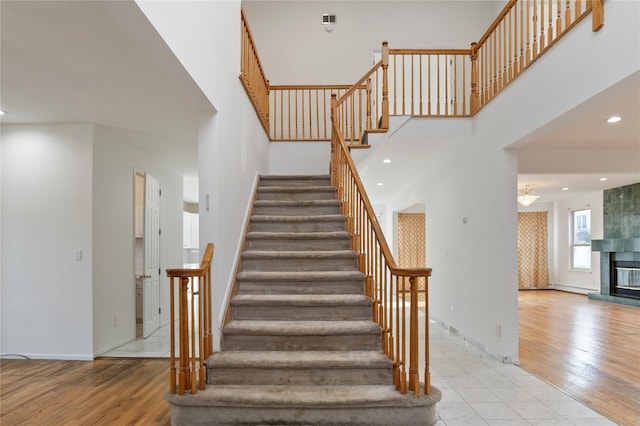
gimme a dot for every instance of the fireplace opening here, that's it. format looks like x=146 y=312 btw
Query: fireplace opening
x=625 y=279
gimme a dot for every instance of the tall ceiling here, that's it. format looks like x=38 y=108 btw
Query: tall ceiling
x=102 y=63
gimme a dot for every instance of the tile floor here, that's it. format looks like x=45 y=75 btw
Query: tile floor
x=476 y=389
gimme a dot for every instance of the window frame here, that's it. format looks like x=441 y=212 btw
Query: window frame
x=573 y=244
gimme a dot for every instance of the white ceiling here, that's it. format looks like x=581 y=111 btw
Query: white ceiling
x=98 y=62
x=101 y=62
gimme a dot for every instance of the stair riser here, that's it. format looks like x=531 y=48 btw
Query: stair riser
x=296 y=287
x=260 y=415
x=296 y=195
x=297 y=226
x=348 y=342
x=297 y=313
x=299 y=244
x=295 y=210
x=296 y=264
x=300 y=376
x=295 y=182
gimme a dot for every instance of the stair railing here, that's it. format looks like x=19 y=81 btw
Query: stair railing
x=195 y=340
x=252 y=74
x=522 y=32
x=385 y=282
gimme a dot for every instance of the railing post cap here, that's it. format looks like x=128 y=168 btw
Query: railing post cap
x=334 y=96
x=385 y=43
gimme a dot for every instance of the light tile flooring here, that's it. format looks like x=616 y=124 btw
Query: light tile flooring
x=476 y=389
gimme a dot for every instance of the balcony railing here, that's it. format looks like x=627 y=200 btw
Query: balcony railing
x=421 y=82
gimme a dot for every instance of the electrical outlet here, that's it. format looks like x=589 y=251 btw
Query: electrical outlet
x=78 y=254
x=452 y=310
x=115 y=321
x=498 y=330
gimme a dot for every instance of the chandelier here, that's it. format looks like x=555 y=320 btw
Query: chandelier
x=527 y=196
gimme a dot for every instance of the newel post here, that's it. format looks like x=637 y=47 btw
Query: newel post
x=474 y=78
x=597 y=14
x=384 y=120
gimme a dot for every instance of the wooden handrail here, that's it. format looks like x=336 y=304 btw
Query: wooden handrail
x=252 y=75
x=195 y=342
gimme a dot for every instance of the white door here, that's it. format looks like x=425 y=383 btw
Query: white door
x=151 y=283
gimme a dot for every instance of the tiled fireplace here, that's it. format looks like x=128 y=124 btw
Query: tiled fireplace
x=620 y=247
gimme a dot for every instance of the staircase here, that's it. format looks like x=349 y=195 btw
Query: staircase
x=301 y=347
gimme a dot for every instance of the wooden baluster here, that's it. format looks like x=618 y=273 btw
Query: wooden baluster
x=414 y=378
x=558 y=18
x=522 y=60
x=412 y=85
x=494 y=72
x=172 y=334
x=567 y=15
x=464 y=86
x=427 y=375
x=528 y=34
x=438 y=84
x=504 y=54
x=578 y=8
x=508 y=37
x=420 y=100
x=184 y=376
x=455 y=85
x=403 y=373
x=542 y=41
x=193 y=338
x=369 y=122
x=201 y=325
x=429 y=85
x=597 y=15
x=550 y=28
x=385 y=86
x=514 y=42
x=447 y=64
x=310 y=116
x=534 y=48
x=404 y=94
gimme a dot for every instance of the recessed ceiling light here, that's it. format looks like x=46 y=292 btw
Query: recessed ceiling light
x=603 y=179
x=565 y=189
x=614 y=119
x=379 y=184
x=386 y=161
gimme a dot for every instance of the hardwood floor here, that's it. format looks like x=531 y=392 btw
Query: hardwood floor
x=106 y=391
x=589 y=349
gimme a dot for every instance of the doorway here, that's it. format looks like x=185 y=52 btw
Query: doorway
x=147 y=253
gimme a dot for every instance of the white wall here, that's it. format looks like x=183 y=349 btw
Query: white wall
x=65 y=188
x=562 y=276
x=205 y=37
x=475 y=264
x=46 y=219
x=295 y=49
x=115 y=161
x=290 y=158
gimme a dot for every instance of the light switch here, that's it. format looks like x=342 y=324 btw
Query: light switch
x=79 y=254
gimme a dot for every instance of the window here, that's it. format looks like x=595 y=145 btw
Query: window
x=581 y=239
